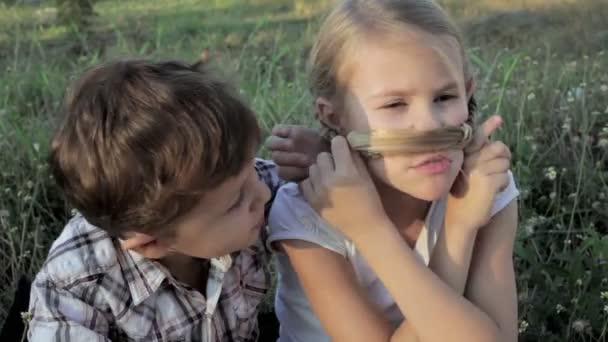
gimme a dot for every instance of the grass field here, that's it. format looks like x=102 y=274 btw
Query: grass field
x=543 y=65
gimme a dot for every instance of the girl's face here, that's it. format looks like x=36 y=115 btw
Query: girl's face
x=415 y=81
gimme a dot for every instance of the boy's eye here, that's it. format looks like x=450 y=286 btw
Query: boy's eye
x=444 y=98
x=237 y=203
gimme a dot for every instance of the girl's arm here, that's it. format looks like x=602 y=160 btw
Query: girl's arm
x=434 y=310
x=491 y=283
x=452 y=255
x=437 y=311
x=484 y=266
x=334 y=293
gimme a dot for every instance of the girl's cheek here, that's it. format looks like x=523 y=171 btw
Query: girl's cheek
x=458 y=159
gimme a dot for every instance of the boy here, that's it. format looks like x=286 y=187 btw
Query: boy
x=158 y=160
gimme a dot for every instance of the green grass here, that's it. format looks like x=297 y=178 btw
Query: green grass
x=543 y=65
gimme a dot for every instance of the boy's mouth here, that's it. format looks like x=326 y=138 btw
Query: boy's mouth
x=259 y=225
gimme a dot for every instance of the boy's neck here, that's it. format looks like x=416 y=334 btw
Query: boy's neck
x=188 y=270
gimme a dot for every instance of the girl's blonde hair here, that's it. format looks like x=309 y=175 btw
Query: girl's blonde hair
x=352 y=19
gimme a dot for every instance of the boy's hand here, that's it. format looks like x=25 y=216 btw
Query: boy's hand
x=484 y=174
x=294 y=149
x=341 y=190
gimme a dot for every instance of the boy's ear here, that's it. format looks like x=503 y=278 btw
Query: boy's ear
x=470 y=86
x=146 y=245
x=326 y=113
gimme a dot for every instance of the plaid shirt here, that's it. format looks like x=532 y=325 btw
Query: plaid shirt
x=89 y=289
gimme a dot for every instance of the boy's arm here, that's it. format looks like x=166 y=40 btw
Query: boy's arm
x=294 y=149
x=61 y=316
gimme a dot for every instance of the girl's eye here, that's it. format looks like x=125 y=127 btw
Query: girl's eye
x=444 y=98
x=396 y=104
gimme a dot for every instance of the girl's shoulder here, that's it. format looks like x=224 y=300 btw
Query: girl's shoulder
x=501 y=200
x=506 y=196
x=292 y=218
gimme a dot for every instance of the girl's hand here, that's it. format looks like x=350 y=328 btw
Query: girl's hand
x=294 y=149
x=484 y=174
x=341 y=190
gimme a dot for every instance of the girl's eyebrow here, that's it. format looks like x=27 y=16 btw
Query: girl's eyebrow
x=448 y=86
x=389 y=93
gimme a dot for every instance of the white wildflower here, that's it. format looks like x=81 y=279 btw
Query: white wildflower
x=550 y=173
x=567 y=125
x=580 y=325
x=523 y=326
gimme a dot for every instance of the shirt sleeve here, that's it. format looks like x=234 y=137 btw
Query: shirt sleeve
x=61 y=316
x=291 y=218
x=505 y=197
x=267 y=172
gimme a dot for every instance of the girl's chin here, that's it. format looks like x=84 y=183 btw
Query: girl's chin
x=426 y=191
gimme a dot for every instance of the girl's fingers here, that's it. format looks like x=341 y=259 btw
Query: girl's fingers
x=326 y=163
x=314 y=174
x=308 y=192
x=495 y=166
x=496 y=149
x=342 y=156
x=483 y=133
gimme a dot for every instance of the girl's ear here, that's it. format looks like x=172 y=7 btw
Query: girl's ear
x=470 y=86
x=326 y=113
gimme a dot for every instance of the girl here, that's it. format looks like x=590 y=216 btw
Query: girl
x=404 y=247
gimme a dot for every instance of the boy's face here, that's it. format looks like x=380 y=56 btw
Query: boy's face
x=227 y=219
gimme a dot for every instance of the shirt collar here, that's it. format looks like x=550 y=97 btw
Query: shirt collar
x=144 y=276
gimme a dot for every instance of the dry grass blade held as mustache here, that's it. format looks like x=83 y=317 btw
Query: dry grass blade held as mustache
x=396 y=141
